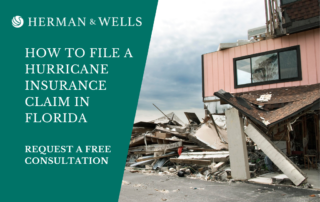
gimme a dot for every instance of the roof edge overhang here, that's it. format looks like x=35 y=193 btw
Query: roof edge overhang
x=260 y=123
x=219 y=94
x=307 y=107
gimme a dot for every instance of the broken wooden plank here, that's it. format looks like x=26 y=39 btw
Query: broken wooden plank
x=180 y=135
x=139 y=140
x=198 y=148
x=163 y=135
x=317 y=132
x=219 y=156
x=214 y=123
x=157 y=157
x=191 y=161
x=155 y=147
x=139 y=130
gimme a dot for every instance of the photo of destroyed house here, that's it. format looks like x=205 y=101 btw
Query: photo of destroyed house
x=261 y=99
x=268 y=86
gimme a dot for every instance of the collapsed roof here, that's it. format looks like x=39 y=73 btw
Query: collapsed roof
x=283 y=104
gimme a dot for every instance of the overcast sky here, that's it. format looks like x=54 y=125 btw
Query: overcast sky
x=183 y=31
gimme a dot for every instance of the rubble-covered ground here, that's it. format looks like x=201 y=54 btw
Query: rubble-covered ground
x=148 y=186
x=198 y=150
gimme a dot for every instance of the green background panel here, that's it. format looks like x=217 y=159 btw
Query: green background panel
x=110 y=114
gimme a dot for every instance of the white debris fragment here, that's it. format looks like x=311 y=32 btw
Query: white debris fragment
x=264 y=98
x=125 y=182
x=188 y=171
x=223 y=176
x=266 y=122
x=139 y=185
x=196 y=188
x=172 y=170
x=164 y=169
x=164 y=191
x=289 y=127
x=173 y=138
x=220 y=121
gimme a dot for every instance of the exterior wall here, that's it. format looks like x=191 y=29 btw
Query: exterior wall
x=218 y=66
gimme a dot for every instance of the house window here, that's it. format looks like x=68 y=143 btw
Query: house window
x=275 y=66
x=264 y=68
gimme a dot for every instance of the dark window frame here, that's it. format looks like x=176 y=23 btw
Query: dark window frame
x=299 y=78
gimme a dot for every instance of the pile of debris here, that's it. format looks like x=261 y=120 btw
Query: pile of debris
x=196 y=150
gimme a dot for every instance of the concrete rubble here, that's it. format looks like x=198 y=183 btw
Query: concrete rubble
x=202 y=150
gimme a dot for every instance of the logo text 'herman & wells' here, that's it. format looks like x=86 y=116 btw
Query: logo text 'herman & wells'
x=82 y=21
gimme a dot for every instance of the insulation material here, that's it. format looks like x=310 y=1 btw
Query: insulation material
x=207 y=136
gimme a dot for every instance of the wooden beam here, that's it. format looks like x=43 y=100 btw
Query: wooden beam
x=164 y=130
x=157 y=157
x=317 y=133
x=139 y=140
x=288 y=143
x=304 y=133
x=191 y=161
x=155 y=147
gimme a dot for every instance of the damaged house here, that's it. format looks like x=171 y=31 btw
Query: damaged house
x=261 y=100
x=268 y=87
